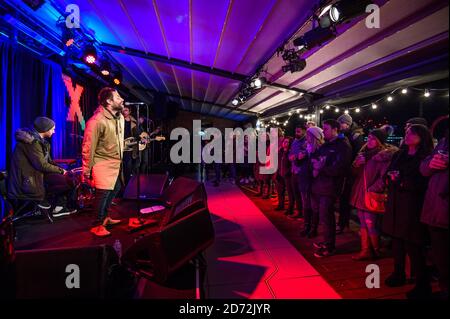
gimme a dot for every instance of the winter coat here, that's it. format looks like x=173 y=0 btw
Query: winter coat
x=284 y=165
x=435 y=208
x=375 y=168
x=103 y=148
x=30 y=161
x=298 y=145
x=355 y=135
x=405 y=198
x=331 y=177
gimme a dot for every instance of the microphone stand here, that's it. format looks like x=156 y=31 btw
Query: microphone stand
x=140 y=222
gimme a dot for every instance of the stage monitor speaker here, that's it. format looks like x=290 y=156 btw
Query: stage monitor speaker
x=85 y=272
x=185 y=231
x=151 y=186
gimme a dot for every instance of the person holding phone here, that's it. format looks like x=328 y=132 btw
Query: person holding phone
x=406 y=190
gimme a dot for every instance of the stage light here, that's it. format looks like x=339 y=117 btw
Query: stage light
x=390 y=98
x=404 y=91
x=117 y=79
x=374 y=106
x=314 y=38
x=346 y=10
x=105 y=68
x=235 y=101
x=90 y=54
x=427 y=93
x=358 y=110
x=258 y=82
x=68 y=36
x=294 y=66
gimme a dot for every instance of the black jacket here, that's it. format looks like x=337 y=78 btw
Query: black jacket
x=31 y=159
x=330 y=180
x=355 y=136
x=405 y=198
x=435 y=208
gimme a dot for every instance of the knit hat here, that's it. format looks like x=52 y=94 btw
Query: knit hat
x=381 y=134
x=345 y=119
x=417 y=120
x=43 y=124
x=316 y=132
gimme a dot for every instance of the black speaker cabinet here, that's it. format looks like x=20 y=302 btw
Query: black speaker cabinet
x=185 y=231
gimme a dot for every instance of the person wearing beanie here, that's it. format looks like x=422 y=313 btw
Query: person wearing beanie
x=369 y=169
x=415 y=120
x=355 y=135
x=33 y=173
x=314 y=140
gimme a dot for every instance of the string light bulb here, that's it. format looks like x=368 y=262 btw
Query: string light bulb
x=358 y=110
x=346 y=111
x=336 y=110
x=374 y=106
x=321 y=111
x=427 y=93
x=390 y=98
x=327 y=107
x=404 y=91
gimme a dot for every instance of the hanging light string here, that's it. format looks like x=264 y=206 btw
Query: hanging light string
x=389 y=98
x=357 y=109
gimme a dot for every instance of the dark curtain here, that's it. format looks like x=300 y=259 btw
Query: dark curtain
x=32 y=87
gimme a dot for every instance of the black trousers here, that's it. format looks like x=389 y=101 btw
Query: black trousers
x=60 y=189
x=417 y=257
x=439 y=248
x=323 y=206
x=102 y=201
x=345 y=208
x=295 y=182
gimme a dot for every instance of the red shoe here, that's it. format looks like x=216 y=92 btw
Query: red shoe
x=100 y=231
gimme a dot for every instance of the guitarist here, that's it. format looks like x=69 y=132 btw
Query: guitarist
x=131 y=153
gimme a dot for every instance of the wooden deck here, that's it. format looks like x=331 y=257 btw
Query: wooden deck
x=347 y=277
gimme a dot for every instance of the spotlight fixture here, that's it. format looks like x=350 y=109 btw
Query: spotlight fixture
x=105 y=68
x=346 y=10
x=90 y=54
x=258 y=82
x=313 y=38
x=427 y=93
x=390 y=98
x=294 y=66
x=404 y=91
x=117 y=79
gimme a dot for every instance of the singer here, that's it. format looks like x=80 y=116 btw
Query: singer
x=102 y=153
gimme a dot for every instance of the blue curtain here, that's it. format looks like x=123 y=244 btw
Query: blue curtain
x=29 y=87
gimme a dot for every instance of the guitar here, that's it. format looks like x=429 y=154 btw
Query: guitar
x=144 y=139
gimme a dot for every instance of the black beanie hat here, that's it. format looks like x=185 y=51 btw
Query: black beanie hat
x=43 y=124
x=381 y=134
x=417 y=120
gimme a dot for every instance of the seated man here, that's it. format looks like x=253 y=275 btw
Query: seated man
x=33 y=174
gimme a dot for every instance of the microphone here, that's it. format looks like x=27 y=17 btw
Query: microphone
x=134 y=103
